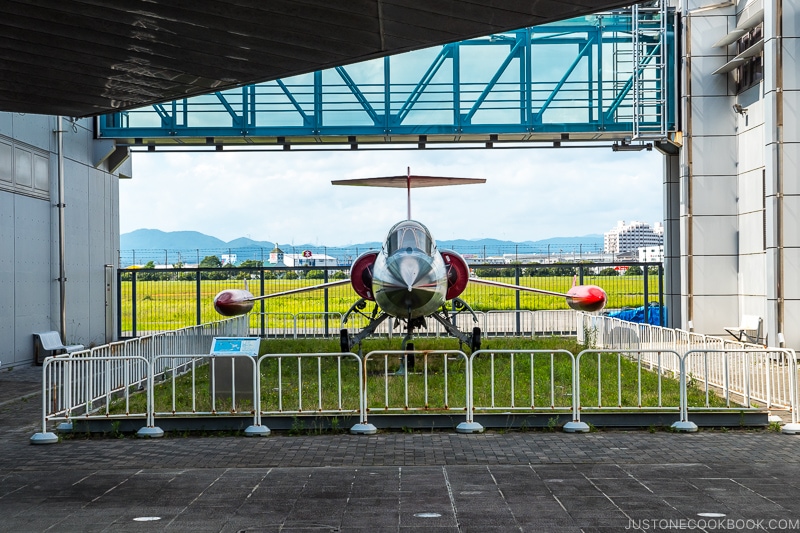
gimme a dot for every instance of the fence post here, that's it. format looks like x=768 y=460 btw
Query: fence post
x=516 y=282
x=150 y=430
x=576 y=426
x=325 y=280
x=661 y=321
x=44 y=436
x=67 y=392
x=646 y=295
x=263 y=325
x=256 y=430
x=792 y=428
x=363 y=427
x=469 y=425
x=684 y=424
x=199 y=311
x=133 y=303
x=119 y=303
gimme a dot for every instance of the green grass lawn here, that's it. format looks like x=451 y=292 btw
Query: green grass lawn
x=163 y=305
x=327 y=384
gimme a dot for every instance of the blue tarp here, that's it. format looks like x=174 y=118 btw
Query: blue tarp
x=637 y=315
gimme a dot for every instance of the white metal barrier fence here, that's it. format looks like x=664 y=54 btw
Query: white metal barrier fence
x=416 y=381
x=745 y=377
x=492 y=323
x=307 y=386
x=522 y=380
x=88 y=384
x=79 y=383
x=599 y=381
x=749 y=372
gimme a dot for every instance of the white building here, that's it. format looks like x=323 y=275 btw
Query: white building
x=228 y=259
x=309 y=260
x=276 y=257
x=631 y=237
x=651 y=254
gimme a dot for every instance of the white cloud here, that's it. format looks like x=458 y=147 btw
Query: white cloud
x=530 y=194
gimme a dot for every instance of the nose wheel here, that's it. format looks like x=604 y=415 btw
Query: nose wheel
x=475 y=342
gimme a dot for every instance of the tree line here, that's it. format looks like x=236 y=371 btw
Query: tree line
x=215 y=270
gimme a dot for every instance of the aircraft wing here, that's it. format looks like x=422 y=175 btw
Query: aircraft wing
x=515 y=287
x=588 y=298
x=302 y=289
x=235 y=302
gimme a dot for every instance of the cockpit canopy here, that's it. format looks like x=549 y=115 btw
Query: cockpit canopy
x=409 y=234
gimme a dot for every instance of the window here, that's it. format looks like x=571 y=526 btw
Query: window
x=751 y=71
x=24 y=169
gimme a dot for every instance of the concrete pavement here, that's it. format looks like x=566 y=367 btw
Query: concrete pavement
x=713 y=480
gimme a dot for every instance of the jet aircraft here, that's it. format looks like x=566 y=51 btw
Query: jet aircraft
x=410 y=279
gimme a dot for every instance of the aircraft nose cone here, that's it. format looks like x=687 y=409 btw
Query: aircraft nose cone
x=410 y=284
x=410 y=269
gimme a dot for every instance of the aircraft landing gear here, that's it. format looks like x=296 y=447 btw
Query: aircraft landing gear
x=475 y=342
x=344 y=341
x=407 y=360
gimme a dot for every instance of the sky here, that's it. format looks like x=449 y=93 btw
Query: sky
x=287 y=197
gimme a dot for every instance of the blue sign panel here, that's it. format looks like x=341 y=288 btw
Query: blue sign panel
x=235 y=346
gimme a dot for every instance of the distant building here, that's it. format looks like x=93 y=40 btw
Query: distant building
x=228 y=259
x=306 y=259
x=631 y=237
x=651 y=254
x=276 y=257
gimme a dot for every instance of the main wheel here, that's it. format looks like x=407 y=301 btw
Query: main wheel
x=475 y=344
x=409 y=358
x=344 y=341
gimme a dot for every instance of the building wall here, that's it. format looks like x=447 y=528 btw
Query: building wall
x=782 y=183
x=740 y=244
x=29 y=233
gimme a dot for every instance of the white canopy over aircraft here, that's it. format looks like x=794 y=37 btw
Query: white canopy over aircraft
x=410 y=279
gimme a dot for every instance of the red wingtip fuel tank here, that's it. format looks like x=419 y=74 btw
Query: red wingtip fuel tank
x=587 y=298
x=233 y=302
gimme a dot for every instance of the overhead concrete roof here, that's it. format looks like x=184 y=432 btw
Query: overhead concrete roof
x=89 y=57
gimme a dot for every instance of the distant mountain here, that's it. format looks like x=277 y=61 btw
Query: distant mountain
x=155 y=238
x=190 y=247
x=464 y=243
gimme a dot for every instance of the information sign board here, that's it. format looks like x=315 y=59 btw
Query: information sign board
x=235 y=346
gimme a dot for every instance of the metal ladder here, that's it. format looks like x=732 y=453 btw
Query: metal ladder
x=650 y=76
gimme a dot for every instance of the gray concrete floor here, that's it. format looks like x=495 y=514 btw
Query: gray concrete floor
x=714 y=480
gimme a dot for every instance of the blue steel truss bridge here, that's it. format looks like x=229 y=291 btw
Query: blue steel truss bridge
x=608 y=77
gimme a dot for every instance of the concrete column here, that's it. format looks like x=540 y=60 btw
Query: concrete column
x=672 y=235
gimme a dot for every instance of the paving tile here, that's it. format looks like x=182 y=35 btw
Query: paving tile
x=528 y=481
